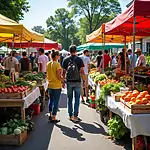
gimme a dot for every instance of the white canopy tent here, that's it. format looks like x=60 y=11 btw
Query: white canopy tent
x=64 y=52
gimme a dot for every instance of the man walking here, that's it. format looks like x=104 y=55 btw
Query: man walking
x=86 y=61
x=73 y=70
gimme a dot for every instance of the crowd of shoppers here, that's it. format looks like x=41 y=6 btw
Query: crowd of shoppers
x=71 y=71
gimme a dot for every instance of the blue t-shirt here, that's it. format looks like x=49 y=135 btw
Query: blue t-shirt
x=131 y=59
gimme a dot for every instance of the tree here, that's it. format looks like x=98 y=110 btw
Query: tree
x=62 y=28
x=85 y=27
x=91 y=8
x=38 y=29
x=14 y=9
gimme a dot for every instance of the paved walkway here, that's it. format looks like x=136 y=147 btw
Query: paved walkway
x=88 y=135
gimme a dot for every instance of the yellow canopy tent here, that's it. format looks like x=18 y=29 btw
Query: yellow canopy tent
x=97 y=37
x=11 y=30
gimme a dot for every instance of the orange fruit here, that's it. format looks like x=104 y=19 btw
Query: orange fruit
x=134 y=94
x=139 y=96
x=135 y=91
x=133 y=99
x=138 y=101
x=144 y=100
x=145 y=92
x=127 y=99
x=123 y=96
x=147 y=96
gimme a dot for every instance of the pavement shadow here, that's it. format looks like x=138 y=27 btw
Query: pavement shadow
x=91 y=128
x=72 y=133
x=39 y=139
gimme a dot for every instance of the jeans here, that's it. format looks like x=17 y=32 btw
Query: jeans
x=76 y=89
x=54 y=100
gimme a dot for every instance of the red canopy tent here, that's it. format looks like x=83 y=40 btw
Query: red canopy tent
x=135 y=21
x=47 y=44
x=123 y=23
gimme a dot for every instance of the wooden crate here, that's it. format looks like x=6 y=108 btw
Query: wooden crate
x=115 y=96
x=13 y=95
x=14 y=140
x=28 y=91
x=136 y=108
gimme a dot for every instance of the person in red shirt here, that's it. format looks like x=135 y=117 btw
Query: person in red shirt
x=106 y=60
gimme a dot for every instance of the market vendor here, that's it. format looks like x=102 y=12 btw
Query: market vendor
x=25 y=64
x=11 y=62
x=141 y=60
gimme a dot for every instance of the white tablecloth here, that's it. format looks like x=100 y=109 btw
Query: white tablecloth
x=98 y=91
x=45 y=85
x=139 y=124
x=28 y=100
x=91 y=83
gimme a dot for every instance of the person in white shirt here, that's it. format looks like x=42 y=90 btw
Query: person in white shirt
x=42 y=61
x=86 y=61
x=11 y=62
x=141 y=60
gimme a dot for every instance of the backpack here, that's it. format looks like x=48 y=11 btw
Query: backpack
x=72 y=71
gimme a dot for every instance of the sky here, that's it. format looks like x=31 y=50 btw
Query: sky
x=40 y=10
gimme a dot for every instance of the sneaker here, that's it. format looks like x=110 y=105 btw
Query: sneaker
x=77 y=119
x=55 y=121
x=50 y=118
x=87 y=101
x=71 y=118
x=83 y=102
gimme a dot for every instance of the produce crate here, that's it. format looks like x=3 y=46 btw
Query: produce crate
x=14 y=140
x=13 y=95
x=115 y=96
x=136 y=108
x=28 y=91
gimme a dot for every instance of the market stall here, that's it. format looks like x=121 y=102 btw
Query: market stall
x=113 y=95
x=21 y=97
x=11 y=31
x=46 y=44
x=98 y=46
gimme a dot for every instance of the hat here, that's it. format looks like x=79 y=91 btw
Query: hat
x=138 y=50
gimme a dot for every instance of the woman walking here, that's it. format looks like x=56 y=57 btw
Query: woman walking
x=54 y=77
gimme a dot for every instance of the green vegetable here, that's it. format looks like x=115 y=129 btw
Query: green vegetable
x=116 y=128
x=106 y=91
x=17 y=131
x=100 y=77
x=10 y=131
x=4 y=130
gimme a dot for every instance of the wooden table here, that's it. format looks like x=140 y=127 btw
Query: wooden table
x=22 y=103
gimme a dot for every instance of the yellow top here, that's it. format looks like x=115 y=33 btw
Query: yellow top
x=51 y=69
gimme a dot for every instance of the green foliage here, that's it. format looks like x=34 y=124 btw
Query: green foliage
x=148 y=60
x=116 y=127
x=14 y=9
x=95 y=11
x=38 y=29
x=62 y=28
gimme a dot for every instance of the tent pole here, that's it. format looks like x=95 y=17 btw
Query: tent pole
x=21 y=43
x=133 y=50
x=125 y=50
x=13 y=42
x=103 y=41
